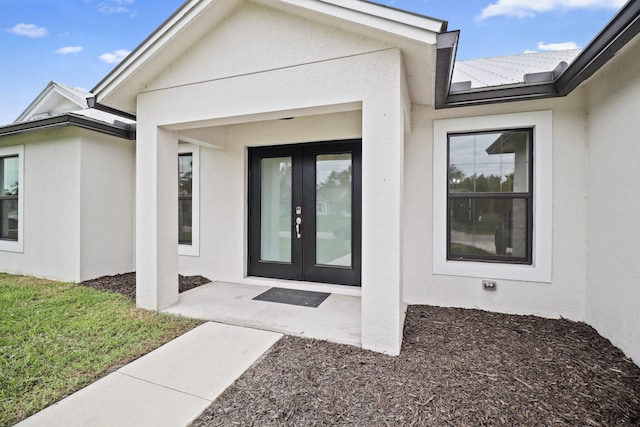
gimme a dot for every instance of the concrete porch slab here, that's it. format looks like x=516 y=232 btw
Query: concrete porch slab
x=337 y=319
x=170 y=386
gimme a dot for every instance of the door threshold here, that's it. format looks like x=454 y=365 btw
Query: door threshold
x=354 y=291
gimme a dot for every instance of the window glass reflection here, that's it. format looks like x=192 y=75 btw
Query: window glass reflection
x=334 y=177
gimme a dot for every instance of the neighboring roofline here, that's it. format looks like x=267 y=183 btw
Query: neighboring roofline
x=557 y=83
x=51 y=86
x=63 y=120
x=193 y=8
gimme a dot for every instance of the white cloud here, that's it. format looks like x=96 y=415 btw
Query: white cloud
x=28 y=30
x=69 y=49
x=552 y=47
x=529 y=8
x=114 y=57
x=115 y=6
x=549 y=47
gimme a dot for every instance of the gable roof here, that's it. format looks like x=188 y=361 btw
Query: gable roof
x=54 y=99
x=559 y=81
x=60 y=105
x=59 y=99
x=195 y=18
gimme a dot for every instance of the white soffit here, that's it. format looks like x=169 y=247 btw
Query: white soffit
x=195 y=18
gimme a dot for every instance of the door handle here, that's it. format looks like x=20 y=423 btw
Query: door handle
x=298 y=222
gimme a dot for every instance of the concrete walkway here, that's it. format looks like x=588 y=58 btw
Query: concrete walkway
x=170 y=386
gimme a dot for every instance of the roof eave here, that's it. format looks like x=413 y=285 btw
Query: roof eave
x=413 y=27
x=63 y=120
x=498 y=94
x=613 y=37
x=616 y=34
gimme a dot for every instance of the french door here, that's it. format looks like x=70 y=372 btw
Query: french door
x=305 y=212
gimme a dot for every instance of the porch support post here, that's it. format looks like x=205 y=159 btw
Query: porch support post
x=382 y=189
x=156 y=218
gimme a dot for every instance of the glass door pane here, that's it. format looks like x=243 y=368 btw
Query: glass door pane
x=334 y=189
x=275 y=209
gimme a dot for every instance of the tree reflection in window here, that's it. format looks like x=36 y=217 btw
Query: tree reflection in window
x=490 y=196
x=9 y=189
x=185 y=198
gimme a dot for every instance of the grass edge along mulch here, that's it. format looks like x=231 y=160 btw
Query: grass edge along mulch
x=56 y=338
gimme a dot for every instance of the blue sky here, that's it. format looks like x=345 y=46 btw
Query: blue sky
x=77 y=42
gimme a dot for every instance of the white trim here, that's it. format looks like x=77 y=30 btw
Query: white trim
x=379 y=17
x=406 y=25
x=194 y=248
x=52 y=89
x=8 y=245
x=540 y=270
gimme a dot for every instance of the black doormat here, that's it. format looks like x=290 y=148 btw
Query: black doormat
x=293 y=297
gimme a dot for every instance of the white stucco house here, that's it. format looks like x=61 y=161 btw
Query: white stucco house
x=336 y=145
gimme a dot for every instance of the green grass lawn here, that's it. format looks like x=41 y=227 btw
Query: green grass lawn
x=55 y=338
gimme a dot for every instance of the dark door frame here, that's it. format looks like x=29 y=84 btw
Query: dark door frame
x=303 y=266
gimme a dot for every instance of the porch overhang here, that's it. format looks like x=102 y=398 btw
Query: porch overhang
x=413 y=34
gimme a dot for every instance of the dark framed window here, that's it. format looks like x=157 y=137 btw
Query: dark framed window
x=185 y=198
x=490 y=196
x=9 y=190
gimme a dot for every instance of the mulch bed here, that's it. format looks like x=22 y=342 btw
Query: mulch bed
x=125 y=284
x=458 y=367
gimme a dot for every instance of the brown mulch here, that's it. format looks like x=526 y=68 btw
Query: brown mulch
x=457 y=368
x=125 y=284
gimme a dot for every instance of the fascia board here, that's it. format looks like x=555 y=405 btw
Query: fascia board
x=390 y=14
x=388 y=20
x=500 y=94
x=447 y=47
x=613 y=37
x=67 y=120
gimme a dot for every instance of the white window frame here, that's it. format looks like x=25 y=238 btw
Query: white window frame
x=540 y=270
x=12 y=245
x=194 y=248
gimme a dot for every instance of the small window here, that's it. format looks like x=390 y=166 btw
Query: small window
x=188 y=200
x=9 y=190
x=185 y=198
x=490 y=196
